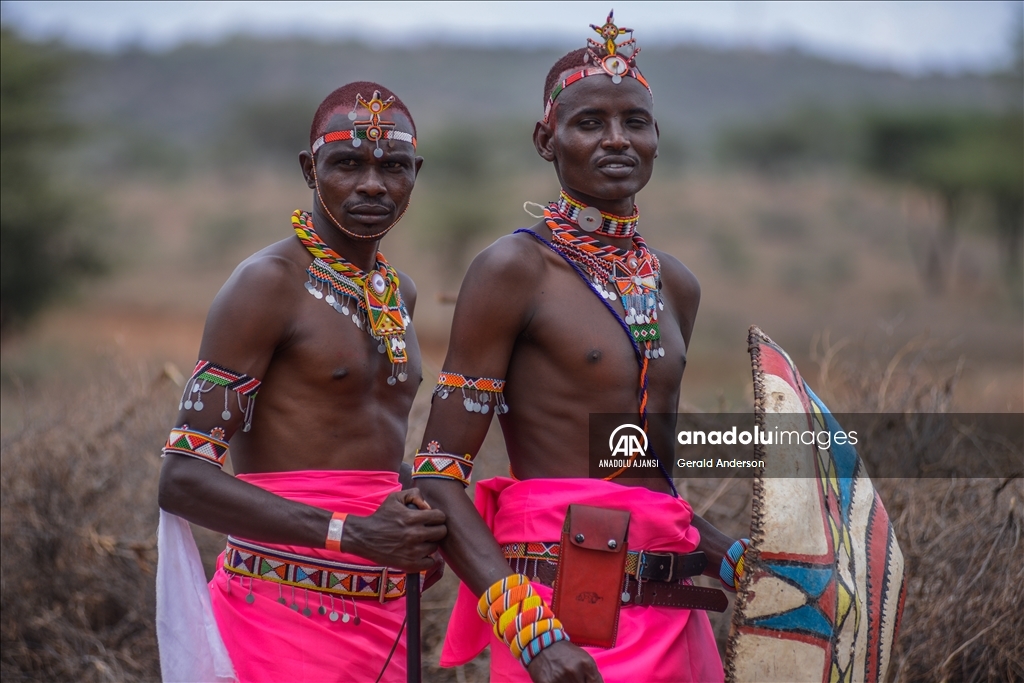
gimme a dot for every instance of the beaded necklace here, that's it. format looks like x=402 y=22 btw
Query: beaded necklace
x=371 y=299
x=589 y=219
x=632 y=276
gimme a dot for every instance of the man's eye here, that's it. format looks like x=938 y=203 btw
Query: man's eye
x=639 y=122
x=349 y=163
x=589 y=123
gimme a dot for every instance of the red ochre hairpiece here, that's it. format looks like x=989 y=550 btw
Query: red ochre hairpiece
x=607 y=60
x=373 y=128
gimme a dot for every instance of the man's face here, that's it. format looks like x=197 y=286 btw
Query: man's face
x=364 y=193
x=602 y=137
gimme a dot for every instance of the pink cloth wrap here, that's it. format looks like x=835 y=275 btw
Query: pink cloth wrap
x=654 y=644
x=269 y=641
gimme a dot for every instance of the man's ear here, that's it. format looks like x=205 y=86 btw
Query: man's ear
x=417 y=165
x=306 y=162
x=657 y=131
x=544 y=140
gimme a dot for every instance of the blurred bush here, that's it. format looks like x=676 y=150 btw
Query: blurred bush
x=271 y=130
x=806 y=138
x=43 y=250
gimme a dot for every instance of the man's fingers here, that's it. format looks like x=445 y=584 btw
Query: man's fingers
x=427 y=517
x=413 y=496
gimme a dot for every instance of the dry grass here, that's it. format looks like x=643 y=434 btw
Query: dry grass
x=79 y=474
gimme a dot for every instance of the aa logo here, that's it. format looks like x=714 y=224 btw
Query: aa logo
x=628 y=441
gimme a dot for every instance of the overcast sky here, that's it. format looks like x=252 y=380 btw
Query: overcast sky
x=909 y=36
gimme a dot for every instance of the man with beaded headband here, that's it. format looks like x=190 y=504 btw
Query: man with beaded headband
x=319 y=533
x=574 y=316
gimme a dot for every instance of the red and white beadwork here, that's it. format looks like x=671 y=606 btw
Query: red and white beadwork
x=590 y=219
x=207 y=376
x=209 y=447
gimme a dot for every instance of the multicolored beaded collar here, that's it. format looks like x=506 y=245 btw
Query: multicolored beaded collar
x=590 y=219
x=632 y=276
x=607 y=61
x=371 y=299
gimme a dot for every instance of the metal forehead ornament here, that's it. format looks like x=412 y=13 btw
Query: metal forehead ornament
x=375 y=128
x=613 y=62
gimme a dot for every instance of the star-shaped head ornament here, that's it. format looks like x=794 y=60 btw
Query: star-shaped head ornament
x=607 y=57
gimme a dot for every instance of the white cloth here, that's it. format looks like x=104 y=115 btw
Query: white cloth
x=191 y=649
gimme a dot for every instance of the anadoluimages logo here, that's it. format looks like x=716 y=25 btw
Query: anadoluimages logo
x=628 y=441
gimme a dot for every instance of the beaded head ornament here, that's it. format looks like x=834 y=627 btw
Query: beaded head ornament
x=604 y=58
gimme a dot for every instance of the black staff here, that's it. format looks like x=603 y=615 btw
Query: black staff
x=412 y=617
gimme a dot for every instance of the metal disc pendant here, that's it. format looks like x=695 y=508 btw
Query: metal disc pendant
x=378 y=152
x=616 y=79
x=308 y=286
x=392 y=381
x=317 y=293
x=344 y=310
x=226 y=415
x=589 y=219
x=355 y=141
x=402 y=377
x=282 y=601
x=345 y=618
x=307 y=612
x=330 y=299
x=295 y=606
x=333 y=616
x=322 y=610
x=468 y=403
x=352 y=115
x=199 y=405
x=188 y=405
x=357 y=620
x=381 y=348
x=485 y=409
x=625 y=596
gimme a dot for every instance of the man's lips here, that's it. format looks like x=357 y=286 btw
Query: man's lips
x=369 y=213
x=616 y=166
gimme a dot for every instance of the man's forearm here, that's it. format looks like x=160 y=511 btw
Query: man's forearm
x=713 y=543
x=206 y=496
x=469 y=548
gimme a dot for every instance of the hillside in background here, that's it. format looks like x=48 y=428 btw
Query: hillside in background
x=191 y=95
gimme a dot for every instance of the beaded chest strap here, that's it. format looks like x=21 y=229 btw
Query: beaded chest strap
x=372 y=300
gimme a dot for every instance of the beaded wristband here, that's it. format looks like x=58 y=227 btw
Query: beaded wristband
x=513 y=620
x=509 y=601
x=334 y=531
x=483 y=606
x=732 y=569
x=541 y=643
x=531 y=632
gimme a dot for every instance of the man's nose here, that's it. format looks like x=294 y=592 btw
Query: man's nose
x=371 y=183
x=615 y=139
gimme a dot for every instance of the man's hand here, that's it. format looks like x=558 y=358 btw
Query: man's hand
x=396 y=536
x=435 y=573
x=564 y=663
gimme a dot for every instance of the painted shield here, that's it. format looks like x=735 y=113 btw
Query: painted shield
x=824 y=587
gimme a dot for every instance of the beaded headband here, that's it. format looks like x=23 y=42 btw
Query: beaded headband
x=607 y=61
x=374 y=129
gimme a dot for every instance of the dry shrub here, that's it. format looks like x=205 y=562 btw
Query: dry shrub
x=78 y=529
x=961 y=538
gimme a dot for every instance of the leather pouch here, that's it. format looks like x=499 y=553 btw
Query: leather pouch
x=591 y=570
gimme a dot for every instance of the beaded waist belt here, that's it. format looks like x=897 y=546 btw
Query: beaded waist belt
x=336 y=578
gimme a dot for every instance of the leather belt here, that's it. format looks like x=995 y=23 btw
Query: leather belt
x=653 y=593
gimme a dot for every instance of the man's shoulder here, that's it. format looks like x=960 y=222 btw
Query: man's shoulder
x=511 y=256
x=676 y=275
x=272 y=266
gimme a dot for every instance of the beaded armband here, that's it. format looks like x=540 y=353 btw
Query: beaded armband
x=733 y=566
x=484 y=387
x=207 y=376
x=521 y=618
x=434 y=464
x=211 y=447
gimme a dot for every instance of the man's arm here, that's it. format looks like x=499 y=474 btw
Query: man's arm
x=248 y=320
x=496 y=303
x=683 y=291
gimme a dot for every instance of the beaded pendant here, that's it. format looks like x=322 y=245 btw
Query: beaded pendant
x=634 y=277
x=372 y=300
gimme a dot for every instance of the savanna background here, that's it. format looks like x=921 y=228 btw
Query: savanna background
x=870 y=221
